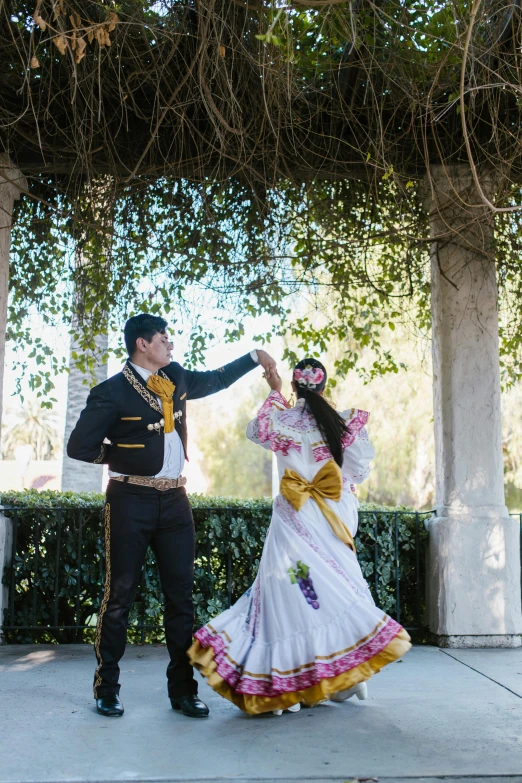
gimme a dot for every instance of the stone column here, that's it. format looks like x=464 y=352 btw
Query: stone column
x=11 y=184
x=474 y=553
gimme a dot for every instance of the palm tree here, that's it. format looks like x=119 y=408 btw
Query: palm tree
x=80 y=476
x=32 y=426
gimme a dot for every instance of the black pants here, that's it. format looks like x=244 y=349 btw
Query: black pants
x=136 y=517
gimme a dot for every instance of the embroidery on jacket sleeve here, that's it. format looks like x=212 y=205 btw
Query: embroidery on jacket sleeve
x=101 y=455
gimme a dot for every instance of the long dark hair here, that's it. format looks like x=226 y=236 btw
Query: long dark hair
x=331 y=426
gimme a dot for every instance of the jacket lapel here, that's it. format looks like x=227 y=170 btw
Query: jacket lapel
x=137 y=384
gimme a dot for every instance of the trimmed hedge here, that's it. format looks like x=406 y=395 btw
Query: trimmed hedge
x=58 y=568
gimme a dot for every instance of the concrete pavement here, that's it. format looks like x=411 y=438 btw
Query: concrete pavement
x=452 y=715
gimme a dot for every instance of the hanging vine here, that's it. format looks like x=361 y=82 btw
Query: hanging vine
x=256 y=150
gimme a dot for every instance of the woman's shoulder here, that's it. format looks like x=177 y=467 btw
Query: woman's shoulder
x=298 y=419
x=356 y=420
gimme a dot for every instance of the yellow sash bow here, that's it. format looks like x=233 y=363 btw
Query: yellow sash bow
x=164 y=389
x=327 y=483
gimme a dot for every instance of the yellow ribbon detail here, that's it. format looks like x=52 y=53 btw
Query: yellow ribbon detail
x=327 y=483
x=164 y=389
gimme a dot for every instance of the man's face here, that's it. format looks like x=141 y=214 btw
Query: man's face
x=158 y=351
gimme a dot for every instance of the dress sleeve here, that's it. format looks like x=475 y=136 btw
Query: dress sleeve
x=267 y=430
x=357 y=449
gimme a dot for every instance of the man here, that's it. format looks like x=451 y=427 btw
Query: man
x=135 y=422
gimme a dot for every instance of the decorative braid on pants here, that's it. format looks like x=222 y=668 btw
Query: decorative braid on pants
x=106 y=594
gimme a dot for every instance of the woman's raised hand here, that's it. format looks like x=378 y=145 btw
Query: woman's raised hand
x=273 y=379
x=265 y=360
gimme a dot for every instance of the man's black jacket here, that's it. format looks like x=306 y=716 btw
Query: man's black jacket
x=121 y=408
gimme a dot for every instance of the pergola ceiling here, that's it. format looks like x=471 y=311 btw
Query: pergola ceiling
x=186 y=89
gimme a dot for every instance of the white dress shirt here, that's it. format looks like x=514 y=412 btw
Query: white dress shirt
x=174 y=456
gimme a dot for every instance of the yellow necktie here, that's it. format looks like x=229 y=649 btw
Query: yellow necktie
x=164 y=389
x=327 y=483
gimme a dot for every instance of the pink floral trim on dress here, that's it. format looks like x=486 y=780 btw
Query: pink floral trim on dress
x=354 y=427
x=298 y=418
x=265 y=429
x=346 y=483
x=275 y=684
x=321 y=453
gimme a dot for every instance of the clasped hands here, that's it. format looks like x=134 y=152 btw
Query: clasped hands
x=270 y=370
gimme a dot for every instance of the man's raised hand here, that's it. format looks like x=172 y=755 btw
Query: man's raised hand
x=265 y=360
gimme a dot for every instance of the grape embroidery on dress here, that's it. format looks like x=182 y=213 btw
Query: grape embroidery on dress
x=300 y=575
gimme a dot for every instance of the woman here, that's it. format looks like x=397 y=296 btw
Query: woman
x=308 y=629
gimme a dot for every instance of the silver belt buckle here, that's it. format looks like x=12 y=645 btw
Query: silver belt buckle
x=163 y=484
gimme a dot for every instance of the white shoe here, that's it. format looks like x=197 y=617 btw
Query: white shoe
x=360 y=690
x=293 y=708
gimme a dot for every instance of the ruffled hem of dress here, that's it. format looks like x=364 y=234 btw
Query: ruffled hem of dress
x=203 y=658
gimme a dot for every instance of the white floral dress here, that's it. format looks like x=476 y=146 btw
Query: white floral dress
x=308 y=627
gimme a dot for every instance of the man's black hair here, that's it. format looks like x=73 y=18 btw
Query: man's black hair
x=142 y=325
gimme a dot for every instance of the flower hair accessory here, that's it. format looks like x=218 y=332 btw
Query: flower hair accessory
x=309 y=378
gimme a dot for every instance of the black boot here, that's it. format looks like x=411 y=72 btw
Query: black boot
x=190 y=705
x=110 y=705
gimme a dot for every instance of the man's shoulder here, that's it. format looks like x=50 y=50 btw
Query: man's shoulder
x=105 y=388
x=175 y=371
